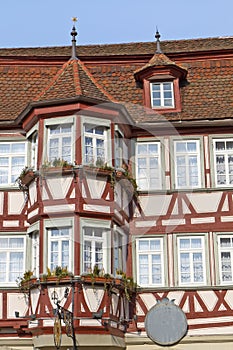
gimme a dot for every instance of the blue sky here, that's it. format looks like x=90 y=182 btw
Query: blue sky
x=27 y=23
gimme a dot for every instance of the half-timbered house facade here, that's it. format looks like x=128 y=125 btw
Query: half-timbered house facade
x=116 y=192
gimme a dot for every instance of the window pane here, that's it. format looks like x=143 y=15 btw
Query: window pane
x=144 y=270
x=187 y=165
x=65 y=253
x=93 y=248
x=225 y=257
x=10 y=164
x=156 y=269
x=223 y=150
x=148 y=166
x=3 y=266
x=167 y=86
x=162 y=94
x=16 y=266
x=11 y=258
x=99 y=130
x=60 y=142
x=18 y=147
x=226 y=267
x=16 y=242
x=59 y=248
x=65 y=128
x=229 y=145
x=87 y=256
x=155 y=244
x=150 y=264
x=143 y=245
x=225 y=242
x=191 y=255
x=4 y=148
x=191 y=146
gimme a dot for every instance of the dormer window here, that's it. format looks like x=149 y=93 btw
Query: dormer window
x=160 y=79
x=162 y=95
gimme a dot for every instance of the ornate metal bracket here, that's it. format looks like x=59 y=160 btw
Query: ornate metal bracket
x=67 y=316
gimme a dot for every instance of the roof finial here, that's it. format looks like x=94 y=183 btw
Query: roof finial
x=157 y=37
x=73 y=34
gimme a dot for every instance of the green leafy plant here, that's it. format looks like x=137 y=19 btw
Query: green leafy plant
x=57 y=162
x=59 y=272
x=128 y=283
x=24 y=281
x=125 y=174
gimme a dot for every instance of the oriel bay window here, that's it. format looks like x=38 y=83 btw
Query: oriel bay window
x=148 y=165
x=150 y=262
x=187 y=164
x=223 y=160
x=12 y=161
x=12 y=258
x=191 y=260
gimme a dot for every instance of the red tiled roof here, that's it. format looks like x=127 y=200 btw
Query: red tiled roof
x=19 y=84
x=141 y=48
x=72 y=80
x=207 y=92
x=35 y=74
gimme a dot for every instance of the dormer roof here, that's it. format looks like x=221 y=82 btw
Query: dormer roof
x=159 y=62
x=157 y=65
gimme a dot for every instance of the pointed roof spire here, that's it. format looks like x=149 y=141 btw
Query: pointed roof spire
x=73 y=34
x=157 y=37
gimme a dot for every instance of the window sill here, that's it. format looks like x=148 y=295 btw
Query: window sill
x=9 y=187
x=184 y=288
x=185 y=190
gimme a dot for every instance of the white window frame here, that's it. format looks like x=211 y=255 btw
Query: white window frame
x=58 y=223
x=227 y=169
x=104 y=226
x=160 y=94
x=95 y=158
x=148 y=172
x=106 y=137
x=227 y=249
x=60 y=121
x=191 y=251
x=60 y=136
x=8 y=250
x=150 y=253
x=60 y=239
x=9 y=166
x=187 y=155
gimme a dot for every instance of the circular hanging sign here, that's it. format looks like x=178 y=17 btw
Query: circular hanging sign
x=166 y=323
